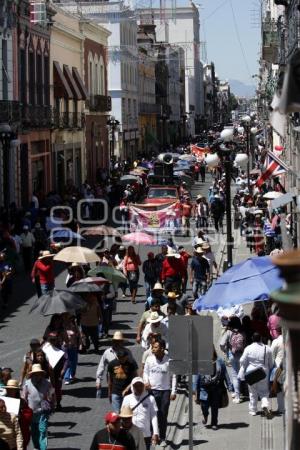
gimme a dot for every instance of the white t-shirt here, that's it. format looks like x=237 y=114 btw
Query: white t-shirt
x=150 y=328
x=157 y=374
x=145 y=414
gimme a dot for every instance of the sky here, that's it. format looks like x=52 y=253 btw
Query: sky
x=232 y=44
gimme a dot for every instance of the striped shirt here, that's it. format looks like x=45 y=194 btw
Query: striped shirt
x=10 y=430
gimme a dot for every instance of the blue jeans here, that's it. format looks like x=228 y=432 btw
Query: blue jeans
x=116 y=402
x=199 y=285
x=39 y=427
x=148 y=286
x=72 y=363
x=45 y=288
x=235 y=367
x=162 y=399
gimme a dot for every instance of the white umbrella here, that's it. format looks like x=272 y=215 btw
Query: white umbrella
x=272 y=195
x=81 y=255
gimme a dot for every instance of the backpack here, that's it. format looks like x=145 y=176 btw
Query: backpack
x=237 y=342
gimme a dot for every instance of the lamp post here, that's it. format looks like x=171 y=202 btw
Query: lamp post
x=6 y=136
x=246 y=121
x=113 y=125
x=164 y=119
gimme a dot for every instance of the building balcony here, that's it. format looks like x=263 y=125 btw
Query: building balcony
x=35 y=116
x=270 y=42
x=99 y=103
x=149 y=108
x=10 y=111
x=67 y=120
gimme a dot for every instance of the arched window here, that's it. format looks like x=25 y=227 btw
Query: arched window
x=101 y=77
x=90 y=74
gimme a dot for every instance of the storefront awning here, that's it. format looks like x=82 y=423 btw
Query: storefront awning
x=72 y=83
x=61 y=86
x=80 y=84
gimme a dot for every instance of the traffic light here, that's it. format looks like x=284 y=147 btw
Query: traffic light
x=38 y=12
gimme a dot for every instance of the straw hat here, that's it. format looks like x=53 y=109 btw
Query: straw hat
x=172 y=253
x=126 y=412
x=172 y=295
x=45 y=254
x=199 y=250
x=118 y=336
x=154 y=317
x=36 y=368
x=157 y=287
x=205 y=246
x=137 y=380
x=75 y=264
x=199 y=196
x=12 y=384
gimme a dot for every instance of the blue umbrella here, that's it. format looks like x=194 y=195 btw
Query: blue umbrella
x=246 y=282
x=65 y=233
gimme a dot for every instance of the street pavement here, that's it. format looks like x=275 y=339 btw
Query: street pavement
x=82 y=414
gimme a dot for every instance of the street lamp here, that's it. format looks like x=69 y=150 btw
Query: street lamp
x=246 y=121
x=6 y=137
x=113 y=125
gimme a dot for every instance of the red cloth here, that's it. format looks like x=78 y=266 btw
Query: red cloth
x=43 y=271
x=172 y=267
x=185 y=258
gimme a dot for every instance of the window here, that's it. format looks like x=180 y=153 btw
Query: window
x=91 y=77
x=23 y=78
x=96 y=88
x=4 y=70
x=129 y=107
x=102 y=77
x=134 y=109
x=32 y=84
x=123 y=107
x=39 y=78
x=46 y=80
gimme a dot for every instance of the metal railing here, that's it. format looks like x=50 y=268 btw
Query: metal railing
x=67 y=120
x=99 y=103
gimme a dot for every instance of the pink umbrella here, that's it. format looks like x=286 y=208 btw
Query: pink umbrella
x=138 y=237
x=95 y=280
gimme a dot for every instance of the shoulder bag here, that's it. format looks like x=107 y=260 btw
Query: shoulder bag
x=256 y=375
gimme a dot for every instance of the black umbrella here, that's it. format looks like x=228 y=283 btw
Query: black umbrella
x=57 y=302
x=81 y=288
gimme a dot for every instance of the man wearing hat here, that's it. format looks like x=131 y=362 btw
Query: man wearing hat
x=126 y=414
x=202 y=211
x=156 y=293
x=153 y=327
x=199 y=272
x=185 y=256
x=120 y=372
x=209 y=255
x=43 y=269
x=113 y=436
x=172 y=297
x=154 y=306
x=173 y=272
x=109 y=355
x=39 y=394
x=144 y=409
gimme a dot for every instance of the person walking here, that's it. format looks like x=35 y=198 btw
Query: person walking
x=217 y=210
x=39 y=394
x=150 y=269
x=153 y=327
x=118 y=343
x=43 y=269
x=131 y=271
x=157 y=377
x=154 y=307
x=210 y=389
x=112 y=436
x=257 y=355
x=185 y=256
x=121 y=372
x=89 y=320
x=233 y=343
x=173 y=271
x=199 y=272
x=202 y=171
x=27 y=243
x=10 y=431
x=144 y=408
x=126 y=414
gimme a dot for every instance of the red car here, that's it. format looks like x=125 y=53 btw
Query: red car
x=162 y=195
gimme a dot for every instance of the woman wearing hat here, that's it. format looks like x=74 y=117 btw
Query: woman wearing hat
x=25 y=413
x=39 y=394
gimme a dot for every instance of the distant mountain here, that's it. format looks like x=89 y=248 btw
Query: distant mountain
x=241 y=89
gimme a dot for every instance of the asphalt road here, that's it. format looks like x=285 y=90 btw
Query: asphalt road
x=82 y=414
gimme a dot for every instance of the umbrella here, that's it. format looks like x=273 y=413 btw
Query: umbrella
x=57 y=302
x=184 y=177
x=112 y=274
x=96 y=280
x=84 y=287
x=128 y=179
x=271 y=195
x=81 y=255
x=138 y=237
x=190 y=158
x=101 y=230
x=248 y=281
x=65 y=233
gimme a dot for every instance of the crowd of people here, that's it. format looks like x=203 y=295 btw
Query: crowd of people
x=139 y=393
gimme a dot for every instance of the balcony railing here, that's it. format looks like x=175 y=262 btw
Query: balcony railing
x=149 y=108
x=35 y=116
x=67 y=120
x=10 y=111
x=99 y=103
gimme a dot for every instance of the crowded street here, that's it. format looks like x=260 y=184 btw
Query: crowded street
x=149 y=225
